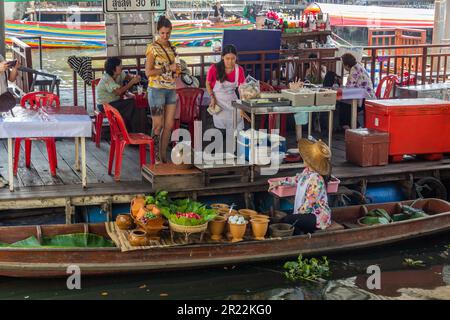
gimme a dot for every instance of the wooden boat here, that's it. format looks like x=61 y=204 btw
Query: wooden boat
x=343 y=235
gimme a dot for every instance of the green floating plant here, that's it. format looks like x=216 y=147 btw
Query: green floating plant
x=414 y=263
x=307 y=269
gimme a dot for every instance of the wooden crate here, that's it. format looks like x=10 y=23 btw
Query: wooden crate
x=224 y=172
x=169 y=176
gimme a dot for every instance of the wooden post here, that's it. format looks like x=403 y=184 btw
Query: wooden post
x=373 y=62
x=423 y=67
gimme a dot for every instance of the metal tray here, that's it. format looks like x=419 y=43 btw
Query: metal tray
x=267 y=102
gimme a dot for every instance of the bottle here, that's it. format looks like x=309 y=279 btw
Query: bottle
x=178 y=63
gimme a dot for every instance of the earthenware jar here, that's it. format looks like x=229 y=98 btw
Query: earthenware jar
x=247 y=213
x=138 y=238
x=237 y=231
x=281 y=230
x=259 y=228
x=218 y=206
x=261 y=217
x=137 y=203
x=216 y=227
x=124 y=222
x=278 y=216
x=226 y=212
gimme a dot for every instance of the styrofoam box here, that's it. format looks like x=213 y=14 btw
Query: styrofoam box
x=298 y=98
x=325 y=97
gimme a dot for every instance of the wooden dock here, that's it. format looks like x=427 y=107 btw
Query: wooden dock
x=36 y=188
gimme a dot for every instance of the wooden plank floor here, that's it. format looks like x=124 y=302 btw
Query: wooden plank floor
x=97 y=164
x=37 y=180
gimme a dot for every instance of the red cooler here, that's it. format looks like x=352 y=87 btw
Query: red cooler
x=415 y=126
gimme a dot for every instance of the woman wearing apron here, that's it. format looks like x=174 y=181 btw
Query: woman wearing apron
x=222 y=81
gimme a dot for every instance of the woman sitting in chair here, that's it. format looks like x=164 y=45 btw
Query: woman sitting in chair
x=358 y=78
x=111 y=89
x=311 y=210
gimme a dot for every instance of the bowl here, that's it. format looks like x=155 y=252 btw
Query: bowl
x=281 y=230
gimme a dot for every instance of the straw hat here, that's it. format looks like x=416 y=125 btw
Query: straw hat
x=316 y=154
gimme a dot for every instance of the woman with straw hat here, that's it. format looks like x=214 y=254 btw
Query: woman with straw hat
x=311 y=210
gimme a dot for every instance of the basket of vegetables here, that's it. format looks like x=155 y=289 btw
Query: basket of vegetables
x=188 y=216
x=149 y=216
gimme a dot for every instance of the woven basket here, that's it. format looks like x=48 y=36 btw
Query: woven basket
x=188 y=229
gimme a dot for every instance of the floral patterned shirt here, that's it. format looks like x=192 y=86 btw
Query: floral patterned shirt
x=360 y=78
x=311 y=198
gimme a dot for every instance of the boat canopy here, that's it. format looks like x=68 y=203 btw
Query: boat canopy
x=377 y=16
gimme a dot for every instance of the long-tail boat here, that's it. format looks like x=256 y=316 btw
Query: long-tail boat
x=344 y=234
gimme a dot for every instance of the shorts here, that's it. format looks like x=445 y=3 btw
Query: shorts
x=158 y=98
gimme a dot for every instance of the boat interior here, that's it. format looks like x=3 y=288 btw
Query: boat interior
x=344 y=218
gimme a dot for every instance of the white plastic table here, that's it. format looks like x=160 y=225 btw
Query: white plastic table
x=62 y=122
x=353 y=94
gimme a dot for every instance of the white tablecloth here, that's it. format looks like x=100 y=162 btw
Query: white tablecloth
x=28 y=123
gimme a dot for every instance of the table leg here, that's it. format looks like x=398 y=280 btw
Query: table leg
x=10 y=165
x=77 y=154
x=83 y=162
x=309 y=124
x=354 y=113
x=330 y=129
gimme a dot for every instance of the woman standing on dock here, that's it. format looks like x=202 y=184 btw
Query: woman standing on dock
x=222 y=81
x=161 y=70
x=311 y=210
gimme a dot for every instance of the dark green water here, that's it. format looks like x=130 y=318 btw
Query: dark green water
x=266 y=281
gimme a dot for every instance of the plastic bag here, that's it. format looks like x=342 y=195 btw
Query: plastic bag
x=249 y=89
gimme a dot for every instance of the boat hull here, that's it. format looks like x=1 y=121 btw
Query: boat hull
x=54 y=262
x=93 y=35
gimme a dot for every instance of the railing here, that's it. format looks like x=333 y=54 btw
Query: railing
x=428 y=65
x=279 y=67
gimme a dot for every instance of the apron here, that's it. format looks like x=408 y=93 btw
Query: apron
x=225 y=95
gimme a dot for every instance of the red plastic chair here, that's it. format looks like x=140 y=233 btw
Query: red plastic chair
x=190 y=100
x=98 y=117
x=265 y=87
x=36 y=100
x=120 y=138
x=390 y=81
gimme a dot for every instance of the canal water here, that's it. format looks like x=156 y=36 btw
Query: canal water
x=348 y=280
x=257 y=281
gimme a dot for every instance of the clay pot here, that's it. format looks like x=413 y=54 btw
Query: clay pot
x=259 y=228
x=237 y=231
x=138 y=238
x=247 y=213
x=261 y=217
x=124 y=222
x=278 y=216
x=216 y=227
x=281 y=230
x=219 y=206
x=136 y=204
x=152 y=224
x=226 y=212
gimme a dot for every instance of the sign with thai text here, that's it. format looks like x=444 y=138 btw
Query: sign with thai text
x=123 y=6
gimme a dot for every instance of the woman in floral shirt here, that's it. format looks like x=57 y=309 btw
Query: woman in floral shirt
x=358 y=78
x=311 y=210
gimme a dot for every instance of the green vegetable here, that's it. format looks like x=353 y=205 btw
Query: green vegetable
x=379 y=213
